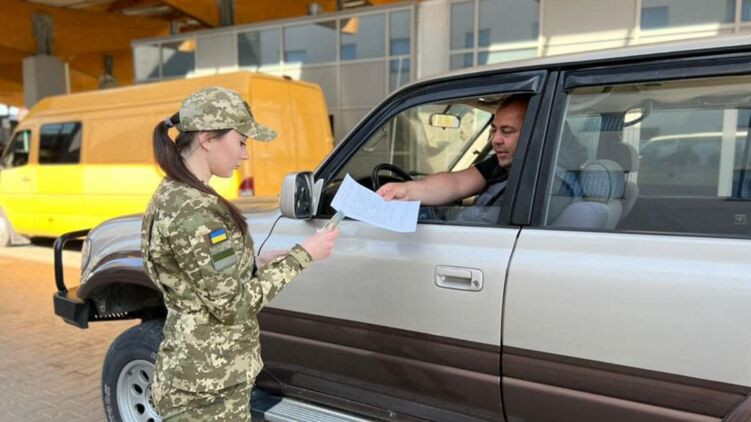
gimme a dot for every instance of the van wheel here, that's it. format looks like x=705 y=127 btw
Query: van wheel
x=128 y=371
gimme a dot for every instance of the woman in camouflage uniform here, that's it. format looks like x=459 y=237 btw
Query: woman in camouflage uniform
x=197 y=249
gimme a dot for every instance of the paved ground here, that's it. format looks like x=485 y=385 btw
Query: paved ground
x=48 y=370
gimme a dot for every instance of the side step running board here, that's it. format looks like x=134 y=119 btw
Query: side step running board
x=270 y=408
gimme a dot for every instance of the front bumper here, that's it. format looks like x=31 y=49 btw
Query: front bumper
x=71 y=309
x=67 y=304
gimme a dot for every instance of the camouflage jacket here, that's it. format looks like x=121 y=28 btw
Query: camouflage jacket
x=204 y=267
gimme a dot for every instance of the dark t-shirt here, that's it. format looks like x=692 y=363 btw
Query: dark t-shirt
x=491 y=170
x=487 y=205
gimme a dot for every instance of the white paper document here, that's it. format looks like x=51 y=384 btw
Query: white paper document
x=360 y=203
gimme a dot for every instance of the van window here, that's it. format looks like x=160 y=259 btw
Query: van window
x=17 y=153
x=669 y=157
x=60 y=143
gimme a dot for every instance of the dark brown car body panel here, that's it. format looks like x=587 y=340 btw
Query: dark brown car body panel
x=578 y=389
x=410 y=373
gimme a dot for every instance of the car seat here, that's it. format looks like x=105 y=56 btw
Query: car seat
x=611 y=148
x=603 y=185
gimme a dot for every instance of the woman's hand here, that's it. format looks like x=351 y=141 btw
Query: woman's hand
x=267 y=256
x=321 y=244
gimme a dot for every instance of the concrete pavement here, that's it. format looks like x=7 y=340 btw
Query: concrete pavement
x=49 y=371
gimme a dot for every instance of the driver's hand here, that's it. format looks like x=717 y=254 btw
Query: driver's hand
x=394 y=190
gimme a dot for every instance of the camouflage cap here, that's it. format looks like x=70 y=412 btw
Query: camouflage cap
x=216 y=108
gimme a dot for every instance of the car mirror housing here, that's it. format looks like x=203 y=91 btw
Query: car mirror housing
x=299 y=195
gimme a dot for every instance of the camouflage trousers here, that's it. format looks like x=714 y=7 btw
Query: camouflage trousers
x=231 y=404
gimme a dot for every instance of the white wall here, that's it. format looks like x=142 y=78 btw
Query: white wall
x=433 y=37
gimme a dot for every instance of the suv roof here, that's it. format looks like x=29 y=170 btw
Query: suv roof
x=665 y=49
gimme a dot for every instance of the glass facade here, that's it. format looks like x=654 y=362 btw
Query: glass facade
x=379 y=44
x=178 y=58
x=400 y=33
x=496 y=30
x=147 y=61
x=362 y=37
x=259 y=48
x=659 y=14
x=311 y=43
x=462 y=25
x=507 y=21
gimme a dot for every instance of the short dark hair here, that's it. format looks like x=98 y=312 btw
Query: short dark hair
x=514 y=99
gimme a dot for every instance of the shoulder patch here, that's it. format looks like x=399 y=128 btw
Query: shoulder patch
x=222 y=252
x=217 y=236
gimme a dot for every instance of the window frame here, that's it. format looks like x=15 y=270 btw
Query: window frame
x=532 y=81
x=61 y=124
x=12 y=139
x=637 y=71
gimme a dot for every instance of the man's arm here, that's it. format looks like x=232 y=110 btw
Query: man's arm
x=437 y=189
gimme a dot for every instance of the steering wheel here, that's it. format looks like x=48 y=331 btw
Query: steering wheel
x=376 y=180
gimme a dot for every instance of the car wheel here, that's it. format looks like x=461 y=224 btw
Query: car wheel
x=128 y=371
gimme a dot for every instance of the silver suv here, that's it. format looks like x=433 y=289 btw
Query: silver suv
x=624 y=298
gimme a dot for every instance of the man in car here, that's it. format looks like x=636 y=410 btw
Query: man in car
x=486 y=178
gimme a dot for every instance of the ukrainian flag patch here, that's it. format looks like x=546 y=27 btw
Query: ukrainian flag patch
x=222 y=252
x=218 y=236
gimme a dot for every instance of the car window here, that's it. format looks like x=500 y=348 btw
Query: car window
x=421 y=141
x=410 y=142
x=60 y=143
x=17 y=152
x=671 y=157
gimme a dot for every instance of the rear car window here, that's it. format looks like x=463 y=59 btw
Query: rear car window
x=669 y=157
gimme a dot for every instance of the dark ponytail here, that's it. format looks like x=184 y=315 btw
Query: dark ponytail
x=167 y=155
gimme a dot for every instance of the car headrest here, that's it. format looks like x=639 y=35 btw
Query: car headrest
x=602 y=180
x=623 y=154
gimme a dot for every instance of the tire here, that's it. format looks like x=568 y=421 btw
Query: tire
x=127 y=373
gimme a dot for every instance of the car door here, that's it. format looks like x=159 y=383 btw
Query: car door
x=631 y=302
x=17 y=178
x=401 y=324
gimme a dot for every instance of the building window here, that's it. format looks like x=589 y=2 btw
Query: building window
x=462 y=25
x=656 y=14
x=746 y=10
x=400 y=30
x=654 y=17
x=178 y=58
x=507 y=21
x=258 y=48
x=507 y=30
x=311 y=43
x=399 y=72
x=400 y=44
x=362 y=37
x=147 y=61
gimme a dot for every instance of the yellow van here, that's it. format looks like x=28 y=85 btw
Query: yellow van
x=77 y=160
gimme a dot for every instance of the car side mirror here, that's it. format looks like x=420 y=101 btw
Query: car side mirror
x=299 y=195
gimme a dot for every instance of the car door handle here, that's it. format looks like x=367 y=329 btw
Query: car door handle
x=458 y=278
x=26 y=179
